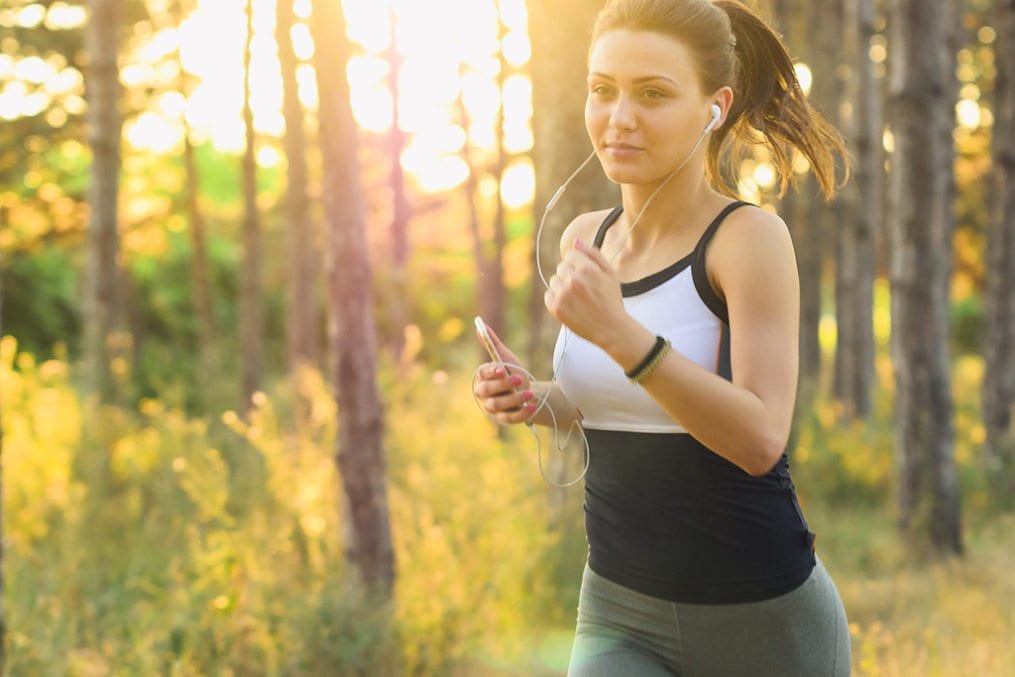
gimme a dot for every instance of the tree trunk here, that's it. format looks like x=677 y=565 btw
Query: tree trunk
x=471 y=190
x=201 y=278
x=559 y=31
x=360 y=452
x=104 y=128
x=854 y=309
x=401 y=210
x=921 y=258
x=250 y=291
x=202 y=296
x=494 y=307
x=3 y=595
x=999 y=376
x=804 y=212
x=301 y=322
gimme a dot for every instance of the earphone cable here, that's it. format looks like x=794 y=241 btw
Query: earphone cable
x=558 y=359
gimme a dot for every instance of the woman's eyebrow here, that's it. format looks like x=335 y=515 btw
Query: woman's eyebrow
x=644 y=78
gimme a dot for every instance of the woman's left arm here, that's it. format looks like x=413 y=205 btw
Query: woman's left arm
x=747 y=421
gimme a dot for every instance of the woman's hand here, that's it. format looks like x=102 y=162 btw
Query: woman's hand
x=584 y=295
x=503 y=392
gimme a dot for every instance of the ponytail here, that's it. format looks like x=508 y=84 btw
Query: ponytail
x=736 y=48
x=769 y=101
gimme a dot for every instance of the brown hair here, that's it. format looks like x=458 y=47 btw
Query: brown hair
x=733 y=46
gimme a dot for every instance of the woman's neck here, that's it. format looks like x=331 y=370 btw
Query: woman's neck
x=675 y=208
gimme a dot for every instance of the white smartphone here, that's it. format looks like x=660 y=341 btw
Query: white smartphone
x=484 y=337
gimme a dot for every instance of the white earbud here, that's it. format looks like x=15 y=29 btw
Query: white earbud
x=716 y=114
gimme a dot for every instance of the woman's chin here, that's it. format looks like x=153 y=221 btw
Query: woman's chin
x=628 y=175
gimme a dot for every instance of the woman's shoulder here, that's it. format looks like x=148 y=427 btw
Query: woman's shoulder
x=751 y=239
x=583 y=227
x=752 y=229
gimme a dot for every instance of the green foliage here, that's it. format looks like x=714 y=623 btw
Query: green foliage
x=145 y=541
x=967 y=325
x=148 y=541
x=40 y=302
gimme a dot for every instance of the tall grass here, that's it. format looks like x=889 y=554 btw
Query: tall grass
x=145 y=541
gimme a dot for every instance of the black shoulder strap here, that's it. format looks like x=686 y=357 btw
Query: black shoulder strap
x=716 y=222
x=705 y=291
x=610 y=219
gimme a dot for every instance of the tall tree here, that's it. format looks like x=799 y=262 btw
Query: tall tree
x=805 y=213
x=823 y=50
x=401 y=209
x=201 y=279
x=471 y=189
x=922 y=100
x=854 y=298
x=360 y=452
x=301 y=324
x=251 y=323
x=558 y=31
x=102 y=91
x=488 y=243
x=999 y=377
x=494 y=303
x=3 y=596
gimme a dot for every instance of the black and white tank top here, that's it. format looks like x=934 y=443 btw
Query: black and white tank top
x=677 y=303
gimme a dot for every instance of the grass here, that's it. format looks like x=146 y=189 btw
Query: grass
x=160 y=543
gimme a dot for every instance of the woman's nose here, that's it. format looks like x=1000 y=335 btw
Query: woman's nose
x=622 y=115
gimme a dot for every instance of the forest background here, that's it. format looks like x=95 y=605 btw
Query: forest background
x=241 y=244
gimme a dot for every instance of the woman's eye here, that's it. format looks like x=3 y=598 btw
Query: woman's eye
x=652 y=94
x=600 y=90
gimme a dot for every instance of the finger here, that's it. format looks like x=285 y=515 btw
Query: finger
x=519 y=414
x=509 y=403
x=550 y=302
x=500 y=386
x=593 y=254
x=492 y=370
x=557 y=284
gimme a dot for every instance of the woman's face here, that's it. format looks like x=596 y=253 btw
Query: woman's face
x=645 y=108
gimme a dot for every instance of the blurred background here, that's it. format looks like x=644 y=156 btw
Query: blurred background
x=241 y=246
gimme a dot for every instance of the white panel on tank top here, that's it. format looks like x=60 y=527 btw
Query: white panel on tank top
x=597 y=385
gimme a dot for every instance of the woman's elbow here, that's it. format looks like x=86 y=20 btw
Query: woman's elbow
x=766 y=455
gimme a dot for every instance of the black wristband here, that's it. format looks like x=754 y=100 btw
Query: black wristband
x=659 y=346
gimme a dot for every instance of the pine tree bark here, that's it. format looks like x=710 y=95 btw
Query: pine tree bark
x=920 y=267
x=250 y=290
x=854 y=310
x=560 y=32
x=102 y=90
x=303 y=347
x=360 y=451
x=999 y=375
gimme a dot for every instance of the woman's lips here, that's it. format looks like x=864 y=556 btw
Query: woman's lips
x=622 y=150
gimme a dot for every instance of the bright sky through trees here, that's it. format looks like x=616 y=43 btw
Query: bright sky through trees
x=439 y=61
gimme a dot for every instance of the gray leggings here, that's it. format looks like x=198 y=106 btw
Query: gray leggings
x=803 y=633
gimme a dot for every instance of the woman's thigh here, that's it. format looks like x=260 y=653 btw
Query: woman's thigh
x=622 y=632
x=803 y=633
